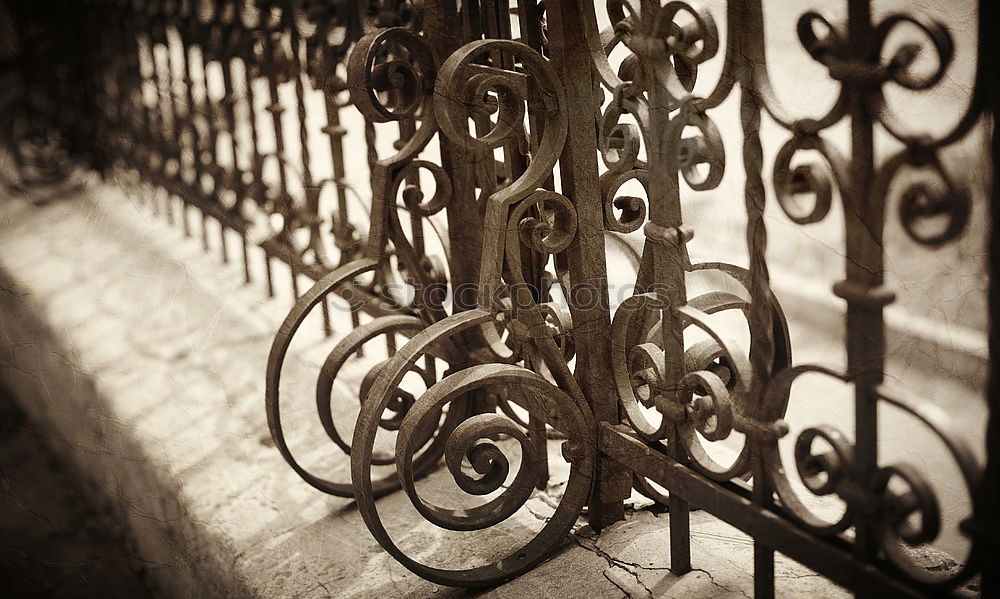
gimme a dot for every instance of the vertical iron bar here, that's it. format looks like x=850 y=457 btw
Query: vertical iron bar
x=667 y=240
x=259 y=186
x=269 y=270
x=223 y=246
x=343 y=232
x=284 y=204
x=443 y=26
x=207 y=154
x=588 y=268
x=327 y=327
x=246 y=259
x=190 y=121
x=751 y=43
x=987 y=513
x=310 y=210
x=235 y=177
x=864 y=272
x=204 y=231
x=176 y=137
x=153 y=122
x=185 y=219
x=680 y=534
x=539 y=440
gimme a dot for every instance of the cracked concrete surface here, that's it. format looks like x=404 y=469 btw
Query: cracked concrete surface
x=145 y=358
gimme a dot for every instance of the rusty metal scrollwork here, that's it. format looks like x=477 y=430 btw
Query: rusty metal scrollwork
x=671 y=401
x=523 y=217
x=521 y=133
x=390 y=74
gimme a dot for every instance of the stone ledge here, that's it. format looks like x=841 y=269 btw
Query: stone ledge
x=57 y=359
x=145 y=359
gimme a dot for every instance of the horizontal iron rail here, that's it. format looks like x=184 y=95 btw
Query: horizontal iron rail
x=729 y=502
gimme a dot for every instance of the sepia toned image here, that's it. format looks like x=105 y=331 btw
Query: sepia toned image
x=510 y=299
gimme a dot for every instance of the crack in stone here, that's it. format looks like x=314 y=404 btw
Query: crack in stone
x=618 y=561
x=711 y=579
x=614 y=562
x=625 y=591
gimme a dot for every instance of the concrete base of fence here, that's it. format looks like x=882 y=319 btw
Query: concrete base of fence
x=145 y=358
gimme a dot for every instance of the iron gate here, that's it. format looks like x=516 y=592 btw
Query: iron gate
x=492 y=205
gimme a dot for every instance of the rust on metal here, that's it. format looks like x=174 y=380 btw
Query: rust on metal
x=513 y=128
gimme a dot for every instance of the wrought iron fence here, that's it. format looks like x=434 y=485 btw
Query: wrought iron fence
x=520 y=124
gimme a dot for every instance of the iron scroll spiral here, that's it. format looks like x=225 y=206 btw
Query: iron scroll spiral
x=470 y=438
x=898 y=500
x=390 y=75
x=533 y=220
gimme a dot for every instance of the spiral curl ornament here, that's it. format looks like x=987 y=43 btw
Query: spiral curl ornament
x=931 y=214
x=914 y=499
x=920 y=203
x=560 y=324
x=693 y=152
x=633 y=209
x=805 y=192
x=413 y=197
x=468 y=69
x=619 y=142
x=712 y=411
x=898 y=68
x=466 y=87
x=469 y=439
x=825 y=45
x=903 y=502
x=387 y=327
x=823 y=473
x=279 y=348
x=831 y=48
x=637 y=390
x=496 y=95
x=390 y=75
x=689 y=45
x=485 y=457
x=710 y=400
x=545 y=222
x=667 y=54
x=713 y=406
x=917 y=498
